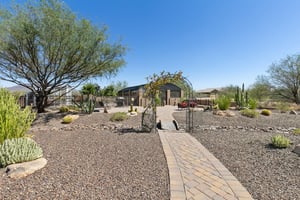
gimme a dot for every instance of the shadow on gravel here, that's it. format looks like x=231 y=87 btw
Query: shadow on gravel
x=123 y=131
x=272 y=147
x=48 y=116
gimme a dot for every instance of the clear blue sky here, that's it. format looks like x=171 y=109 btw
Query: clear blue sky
x=214 y=42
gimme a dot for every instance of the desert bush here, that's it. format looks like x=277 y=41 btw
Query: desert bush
x=296 y=131
x=266 y=112
x=249 y=113
x=283 y=107
x=252 y=104
x=19 y=150
x=119 y=116
x=64 y=109
x=68 y=119
x=73 y=108
x=280 y=141
x=14 y=121
x=223 y=102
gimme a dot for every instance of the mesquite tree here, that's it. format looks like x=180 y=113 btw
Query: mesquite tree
x=285 y=77
x=45 y=47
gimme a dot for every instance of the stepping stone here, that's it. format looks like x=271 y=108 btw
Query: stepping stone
x=168 y=125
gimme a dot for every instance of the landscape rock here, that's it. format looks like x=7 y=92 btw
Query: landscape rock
x=219 y=112
x=297 y=149
x=224 y=113
x=21 y=170
x=230 y=114
x=293 y=112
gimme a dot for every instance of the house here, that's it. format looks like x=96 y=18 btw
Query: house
x=207 y=96
x=61 y=97
x=169 y=94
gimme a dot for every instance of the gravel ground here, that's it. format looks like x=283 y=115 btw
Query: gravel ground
x=243 y=145
x=88 y=160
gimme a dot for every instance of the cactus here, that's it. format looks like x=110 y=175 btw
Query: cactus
x=19 y=150
x=87 y=105
x=241 y=97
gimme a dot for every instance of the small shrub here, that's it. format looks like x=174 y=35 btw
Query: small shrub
x=296 y=131
x=73 y=108
x=249 y=113
x=64 y=109
x=68 y=119
x=283 y=107
x=119 y=116
x=266 y=112
x=280 y=141
x=14 y=121
x=19 y=150
x=252 y=104
x=223 y=102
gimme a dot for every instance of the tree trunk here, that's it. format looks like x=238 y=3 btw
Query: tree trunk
x=41 y=102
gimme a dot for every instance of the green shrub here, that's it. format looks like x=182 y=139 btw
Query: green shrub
x=249 y=113
x=73 y=108
x=64 y=109
x=68 y=119
x=296 y=131
x=223 y=102
x=119 y=116
x=266 y=112
x=19 y=150
x=280 y=141
x=252 y=104
x=14 y=121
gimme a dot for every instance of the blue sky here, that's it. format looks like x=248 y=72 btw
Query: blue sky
x=214 y=42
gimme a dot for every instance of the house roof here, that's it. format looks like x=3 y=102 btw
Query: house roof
x=168 y=86
x=209 y=90
x=132 y=88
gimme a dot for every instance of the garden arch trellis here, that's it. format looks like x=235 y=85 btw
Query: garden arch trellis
x=152 y=90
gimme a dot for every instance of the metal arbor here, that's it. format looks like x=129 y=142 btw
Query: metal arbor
x=156 y=81
x=189 y=115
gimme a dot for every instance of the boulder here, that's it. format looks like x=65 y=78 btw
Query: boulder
x=230 y=114
x=293 y=112
x=297 y=149
x=20 y=170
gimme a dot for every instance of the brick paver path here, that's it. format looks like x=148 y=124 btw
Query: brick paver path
x=194 y=172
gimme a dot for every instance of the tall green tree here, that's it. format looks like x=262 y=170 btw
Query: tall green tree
x=44 y=47
x=285 y=77
x=229 y=91
x=261 y=89
x=113 y=88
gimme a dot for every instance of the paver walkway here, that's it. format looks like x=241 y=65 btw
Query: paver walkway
x=194 y=172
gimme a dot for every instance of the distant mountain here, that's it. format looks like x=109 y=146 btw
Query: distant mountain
x=18 y=88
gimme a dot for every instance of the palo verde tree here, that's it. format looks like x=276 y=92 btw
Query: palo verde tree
x=45 y=47
x=285 y=77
